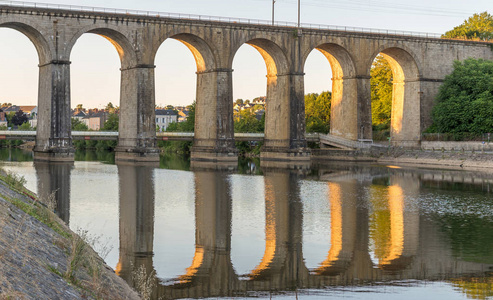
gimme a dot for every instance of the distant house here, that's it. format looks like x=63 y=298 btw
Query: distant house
x=3 y=118
x=164 y=117
x=11 y=109
x=30 y=110
x=79 y=115
x=183 y=115
x=259 y=100
x=238 y=107
x=96 y=120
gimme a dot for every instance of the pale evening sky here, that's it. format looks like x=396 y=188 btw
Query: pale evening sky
x=95 y=65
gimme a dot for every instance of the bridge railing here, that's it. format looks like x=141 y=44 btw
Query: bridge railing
x=132 y=12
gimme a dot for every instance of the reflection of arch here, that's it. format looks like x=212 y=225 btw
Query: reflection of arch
x=406 y=104
x=213 y=225
x=276 y=226
x=344 y=101
x=402 y=237
x=43 y=48
x=123 y=46
x=342 y=229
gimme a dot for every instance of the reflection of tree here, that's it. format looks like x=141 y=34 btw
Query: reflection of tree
x=475 y=287
x=380 y=221
x=471 y=236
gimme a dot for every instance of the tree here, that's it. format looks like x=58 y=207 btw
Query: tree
x=248 y=122
x=25 y=126
x=317 y=112
x=110 y=108
x=78 y=125
x=112 y=123
x=19 y=118
x=239 y=101
x=80 y=107
x=381 y=92
x=188 y=125
x=465 y=100
x=477 y=27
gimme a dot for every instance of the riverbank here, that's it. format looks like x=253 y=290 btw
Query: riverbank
x=41 y=258
x=394 y=155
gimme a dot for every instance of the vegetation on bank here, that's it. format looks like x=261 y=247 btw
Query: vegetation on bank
x=464 y=103
x=55 y=250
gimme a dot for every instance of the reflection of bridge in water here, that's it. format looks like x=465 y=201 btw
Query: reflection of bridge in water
x=377 y=234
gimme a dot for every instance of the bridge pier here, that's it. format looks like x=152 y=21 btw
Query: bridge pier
x=285 y=119
x=53 y=134
x=137 y=127
x=214 y=129
x=351 y=108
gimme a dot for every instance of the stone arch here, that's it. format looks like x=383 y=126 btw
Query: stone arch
x=406 y=94
x=207 y=97
x=201 y=50
x=277 y=109
x=122 y=44
x=44 y=49
x=344 y=103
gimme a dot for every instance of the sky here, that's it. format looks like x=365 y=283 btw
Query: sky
x=95 y=75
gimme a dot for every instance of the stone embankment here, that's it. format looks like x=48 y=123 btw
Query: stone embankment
x=41 y=258
x=458 y=159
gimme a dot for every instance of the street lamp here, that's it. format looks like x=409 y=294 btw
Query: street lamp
x=273 y=2
x=299 y=8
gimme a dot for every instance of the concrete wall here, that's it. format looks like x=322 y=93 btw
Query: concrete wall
x=419 y=66
x=456 y=146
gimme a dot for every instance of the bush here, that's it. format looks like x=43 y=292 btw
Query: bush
x=464 y=103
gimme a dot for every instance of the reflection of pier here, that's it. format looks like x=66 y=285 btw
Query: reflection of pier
x=385 y=219
x=136 y=188
x=54 y=186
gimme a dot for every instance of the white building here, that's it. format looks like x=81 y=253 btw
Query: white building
x=164 y=117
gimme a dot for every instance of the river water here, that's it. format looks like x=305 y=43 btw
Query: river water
x=356 y=231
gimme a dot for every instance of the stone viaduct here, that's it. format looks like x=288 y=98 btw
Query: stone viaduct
x=419 y=66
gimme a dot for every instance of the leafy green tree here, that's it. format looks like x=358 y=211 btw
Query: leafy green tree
x=188 y=125
x=477 y=27
x=78 y=125
x=465 y=100
x=381 y=92
x=317 y=112
x=248 y=122
x=239 y=101
x=25 y=126
x=111 y=124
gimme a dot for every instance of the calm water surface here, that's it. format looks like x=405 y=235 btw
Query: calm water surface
x=330 y=232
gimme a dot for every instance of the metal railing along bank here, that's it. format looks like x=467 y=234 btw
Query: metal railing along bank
x=132 y=12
